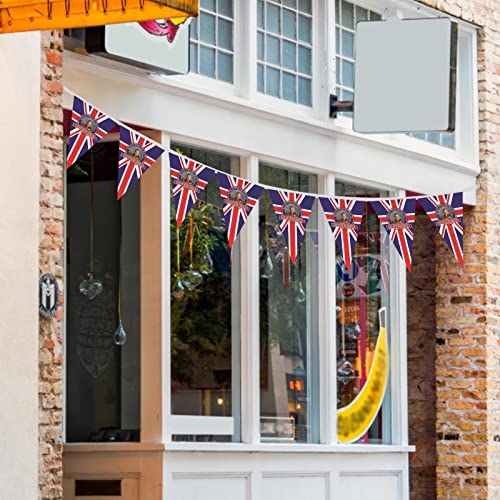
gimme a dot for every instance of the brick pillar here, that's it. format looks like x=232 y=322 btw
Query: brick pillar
x=51 y=261
x=467 y=301
x=421 y=299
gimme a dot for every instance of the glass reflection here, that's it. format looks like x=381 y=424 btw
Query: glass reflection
x=288 y=322
x=361 y=292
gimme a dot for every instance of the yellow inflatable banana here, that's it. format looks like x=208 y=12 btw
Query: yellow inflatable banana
x=354 y=420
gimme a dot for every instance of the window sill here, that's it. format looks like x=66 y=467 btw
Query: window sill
x=287 y=448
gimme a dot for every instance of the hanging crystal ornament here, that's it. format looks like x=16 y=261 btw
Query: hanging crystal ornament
x=177 y=286
x=301 y=295
x=207 y=264
x=266 y=263
x=120 y=336
x=91 y=287
x=345 y=371
x=178 y=289
x=266 y=266
x=191 y=278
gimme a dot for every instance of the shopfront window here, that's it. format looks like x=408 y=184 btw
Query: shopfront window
x=211 y=40
x=204 y=310
x=288 y=321
x=361 y=293
x=102 y=291
x=284 y=49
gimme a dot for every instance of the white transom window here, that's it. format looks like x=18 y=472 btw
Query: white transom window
x=284 y=49
x=211 y=45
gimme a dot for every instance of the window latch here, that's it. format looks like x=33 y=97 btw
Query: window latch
x=337 y=106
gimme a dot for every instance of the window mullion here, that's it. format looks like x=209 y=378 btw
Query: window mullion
x=327 y=323
x=246 y=49
x=250 y=385
x=398 y=348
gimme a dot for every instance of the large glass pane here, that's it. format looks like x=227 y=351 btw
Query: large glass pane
x=102 y=371
x=225 y=34
x=289 y=24
x=225 y=7
x=207 y=28
x=273 y=18
x=289 y=91
x=273 y=50
x=305 y=94
x=361 y=292
x=225 y=67
x=207 y=62
x=204 y=317
x=288 y=321
x=272 y=82
x=289 y=55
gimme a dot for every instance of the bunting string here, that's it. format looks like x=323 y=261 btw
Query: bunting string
x=343 y=214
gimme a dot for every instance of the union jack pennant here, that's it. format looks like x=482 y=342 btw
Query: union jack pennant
x=293 y=211
x=398 y=217
x=189 y=179
x=137 y=154
x=344 y=217
x=446 y=211
x=239 y=197
x=88 y=126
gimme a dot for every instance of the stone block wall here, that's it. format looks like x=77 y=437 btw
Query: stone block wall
x=51 y=248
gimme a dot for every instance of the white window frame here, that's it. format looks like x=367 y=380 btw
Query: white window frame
x=250 y=353
x=243 y=93
x=466 y=126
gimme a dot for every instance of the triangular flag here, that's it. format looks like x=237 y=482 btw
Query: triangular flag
x=137 y=154
x=189 y=179
x=344 y=217
x=239 y=197
x=398 y=217
x=446 y=211
x=88 y=127
x=293 y=211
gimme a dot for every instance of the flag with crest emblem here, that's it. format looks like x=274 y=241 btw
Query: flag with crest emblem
x=189 y=179
x=137 y=154
x=239 y=197
x=446 y=211
x=344 y=217
x=398 y=217
x=293 y=211
x=88 y=127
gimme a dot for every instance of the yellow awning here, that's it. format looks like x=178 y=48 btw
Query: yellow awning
x=32 y=15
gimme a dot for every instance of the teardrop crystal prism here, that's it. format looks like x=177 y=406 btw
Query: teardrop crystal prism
x=91 y=287
x=266 y=266
x=345 y=371
x=301 y=295
x=178 y=289
x=120 y=336
x=191 y=279
x=207 y=264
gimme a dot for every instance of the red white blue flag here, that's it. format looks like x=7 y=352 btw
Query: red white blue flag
x=344 y=217
x=398 y=217
x=239 y=197
x=137 y=154
x=189 y=179
x=293 y=211
x=88 y=126
x=446 y=211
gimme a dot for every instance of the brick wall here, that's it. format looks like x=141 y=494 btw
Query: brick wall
x=421 y=299
x=468 y=303
x=51 y=260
